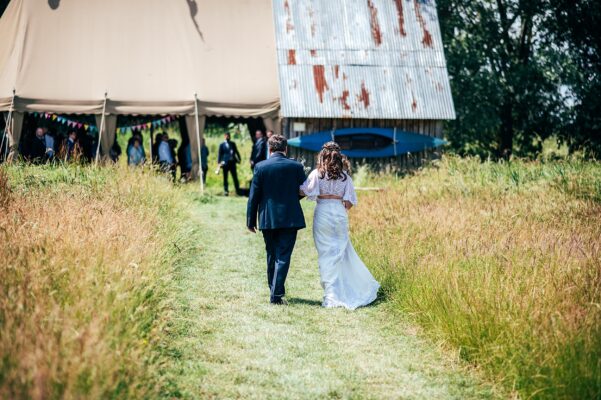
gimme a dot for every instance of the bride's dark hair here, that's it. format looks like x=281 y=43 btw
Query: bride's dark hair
x=331 y=163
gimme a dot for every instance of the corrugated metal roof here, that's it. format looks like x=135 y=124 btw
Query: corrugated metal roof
x=361 y=59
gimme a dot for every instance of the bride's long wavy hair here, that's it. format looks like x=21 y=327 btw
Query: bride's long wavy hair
x=331 y=163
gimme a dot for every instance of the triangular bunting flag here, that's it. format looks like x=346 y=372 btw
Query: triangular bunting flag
x=54 y=117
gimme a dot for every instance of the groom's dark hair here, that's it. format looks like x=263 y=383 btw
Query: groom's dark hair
x=277 y=143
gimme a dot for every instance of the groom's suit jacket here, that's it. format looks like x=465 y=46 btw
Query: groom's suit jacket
x=274 y=194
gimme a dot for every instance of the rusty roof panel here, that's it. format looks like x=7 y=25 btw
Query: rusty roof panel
x=361 y=59
x=319 y=91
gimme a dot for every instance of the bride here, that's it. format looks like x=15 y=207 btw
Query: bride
x=345 y=279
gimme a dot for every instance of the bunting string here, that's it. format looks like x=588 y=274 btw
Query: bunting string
x=92 y=128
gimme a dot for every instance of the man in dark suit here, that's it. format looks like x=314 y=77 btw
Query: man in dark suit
x=274 y=195
x=259 y=151
x=227 y=158
x=36 y=149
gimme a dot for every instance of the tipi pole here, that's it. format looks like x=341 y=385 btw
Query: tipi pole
x=100 y=130
x=202 y=185
x=8 y=121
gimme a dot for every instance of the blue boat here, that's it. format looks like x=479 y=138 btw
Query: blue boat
x=369 y=142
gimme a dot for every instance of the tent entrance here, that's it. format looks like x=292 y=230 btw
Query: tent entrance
x=221 y=124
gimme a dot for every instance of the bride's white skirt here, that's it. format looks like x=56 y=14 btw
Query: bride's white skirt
x=345 y=279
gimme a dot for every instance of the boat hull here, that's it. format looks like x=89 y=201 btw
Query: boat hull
x=399 y=142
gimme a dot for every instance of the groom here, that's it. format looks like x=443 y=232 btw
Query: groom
x=274 y=194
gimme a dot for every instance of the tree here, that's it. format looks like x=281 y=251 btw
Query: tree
x=508 y=67
x=577 y=26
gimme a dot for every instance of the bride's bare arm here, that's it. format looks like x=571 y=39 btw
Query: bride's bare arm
x=347 y=204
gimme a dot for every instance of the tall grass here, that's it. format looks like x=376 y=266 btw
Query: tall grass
x=502 y=261
x=87 y=258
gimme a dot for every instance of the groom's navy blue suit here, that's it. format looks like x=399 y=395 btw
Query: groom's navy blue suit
x=274 y=195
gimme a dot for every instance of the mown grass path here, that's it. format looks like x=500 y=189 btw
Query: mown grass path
x=236 y=345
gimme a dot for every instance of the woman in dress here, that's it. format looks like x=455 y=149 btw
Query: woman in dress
x=345 y=279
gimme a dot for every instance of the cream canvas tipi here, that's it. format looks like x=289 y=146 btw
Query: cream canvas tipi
x=138 y=57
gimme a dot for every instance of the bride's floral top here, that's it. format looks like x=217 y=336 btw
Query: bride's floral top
x=315 y=186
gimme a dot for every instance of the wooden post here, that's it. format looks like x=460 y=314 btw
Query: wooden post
x=202 y=185
x=8 y=121
x=100 y=130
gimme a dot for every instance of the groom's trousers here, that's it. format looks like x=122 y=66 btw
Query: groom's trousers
x=279 y=244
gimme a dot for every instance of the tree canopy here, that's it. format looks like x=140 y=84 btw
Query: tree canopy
x=521 y=71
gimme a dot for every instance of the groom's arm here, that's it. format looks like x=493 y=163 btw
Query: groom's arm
x=254 y=198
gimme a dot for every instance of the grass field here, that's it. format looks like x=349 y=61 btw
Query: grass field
x=233 y=344
x=86 y=276
x=119 y=284
x=501 y=261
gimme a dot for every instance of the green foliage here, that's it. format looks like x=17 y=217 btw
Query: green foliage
x=575 y=24
x=522 y=71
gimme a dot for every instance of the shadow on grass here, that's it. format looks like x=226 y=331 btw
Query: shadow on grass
x=379 y=300
x=307 y=302
x=317 y=303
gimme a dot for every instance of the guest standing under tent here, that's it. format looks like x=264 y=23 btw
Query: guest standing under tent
x=259 y=150
x=49 y=139
x=35 y=149
x=71 y=147
x=204 y=160
x=166 y=158
x=155 y=147
x=227 y=159
x=135 y=153
x=184 y=156
x=268 y=134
